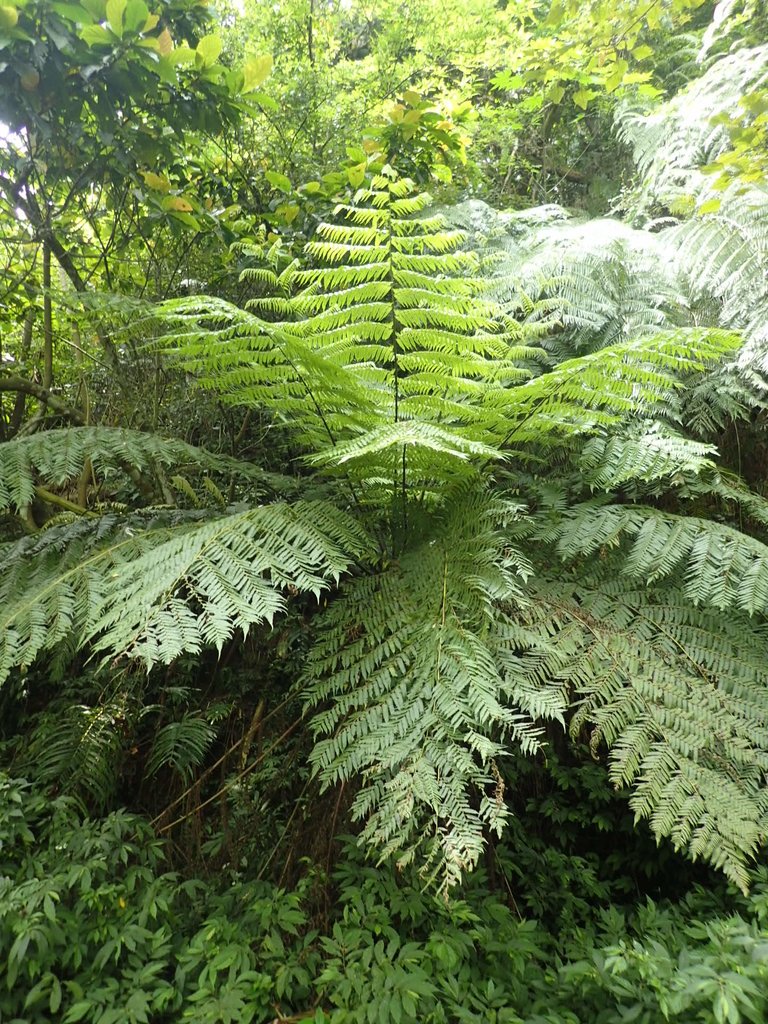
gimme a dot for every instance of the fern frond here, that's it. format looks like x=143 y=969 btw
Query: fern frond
x=648 y=452
x=79 y=748
x=679 y=697
x=672 y=141
x=181 y=746
x=157 y=592
x=409 y=664
x=717 y=564
x=58 y=456
x=603 y=388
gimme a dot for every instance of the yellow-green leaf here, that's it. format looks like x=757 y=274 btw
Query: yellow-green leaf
x=183 y=54
x=287 y=212
x=156 y=181
x=278 y=181
x=613 y=81
x=642 y=52
x=255 y=71
x=164 y=43
x=177 y=204
x=710 y=206
x=115 y=12
x=442 y=172
x=96 y=35
x=29 y=79
x=356 y=175
x=582 y=97
x=209 y=48
x=8 y=16
x=556 y=94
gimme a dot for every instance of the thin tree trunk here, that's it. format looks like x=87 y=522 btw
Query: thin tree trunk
x=20 y=405
x=47 y=319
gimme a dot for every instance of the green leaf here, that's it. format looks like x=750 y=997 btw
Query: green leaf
x=582 y=98
x=55 y=999
x=209 y=48
x=255 y=71
x=642 y=52
x=115 y=12
x=77 y=1011
x=9 y=16
x=710 y=206
x=279 y=181
x=136 y=15
x=356 y=175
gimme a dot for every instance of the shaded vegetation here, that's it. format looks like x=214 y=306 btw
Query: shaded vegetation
x=382 y=512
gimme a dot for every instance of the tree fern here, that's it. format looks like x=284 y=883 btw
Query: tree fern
x=433 y=416
x=403 y=378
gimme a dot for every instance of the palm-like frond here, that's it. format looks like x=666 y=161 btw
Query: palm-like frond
x=671 y=142
x=414 y=677
x=402 y=378
x=679 y=696
x=154 y=593
x=58 y=456
x=181 y=746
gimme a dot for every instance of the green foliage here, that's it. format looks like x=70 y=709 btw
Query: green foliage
x=103 y=934
x=406 y=385
x=421 y=689
x=59 y=456
x=86 y=937
x=128 y=584
x=510 y=491
x=79 y=748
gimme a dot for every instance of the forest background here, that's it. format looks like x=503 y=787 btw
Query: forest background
x=382 y=511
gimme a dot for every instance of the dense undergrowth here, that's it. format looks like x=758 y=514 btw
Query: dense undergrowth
x=570 y=921
x=250 y=907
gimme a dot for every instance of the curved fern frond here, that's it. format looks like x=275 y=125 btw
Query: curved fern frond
x=154 y=593
x=725 y=254
x=679 y=696
x=647 y=452
x=716 y=564
x=672 y=141
x=58 y=456
x=600 y=281
x=601 y=389
x=79 y=748
x=181 y=746
x=413 y=678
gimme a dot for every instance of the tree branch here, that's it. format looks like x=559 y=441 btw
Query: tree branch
x=29 y=387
